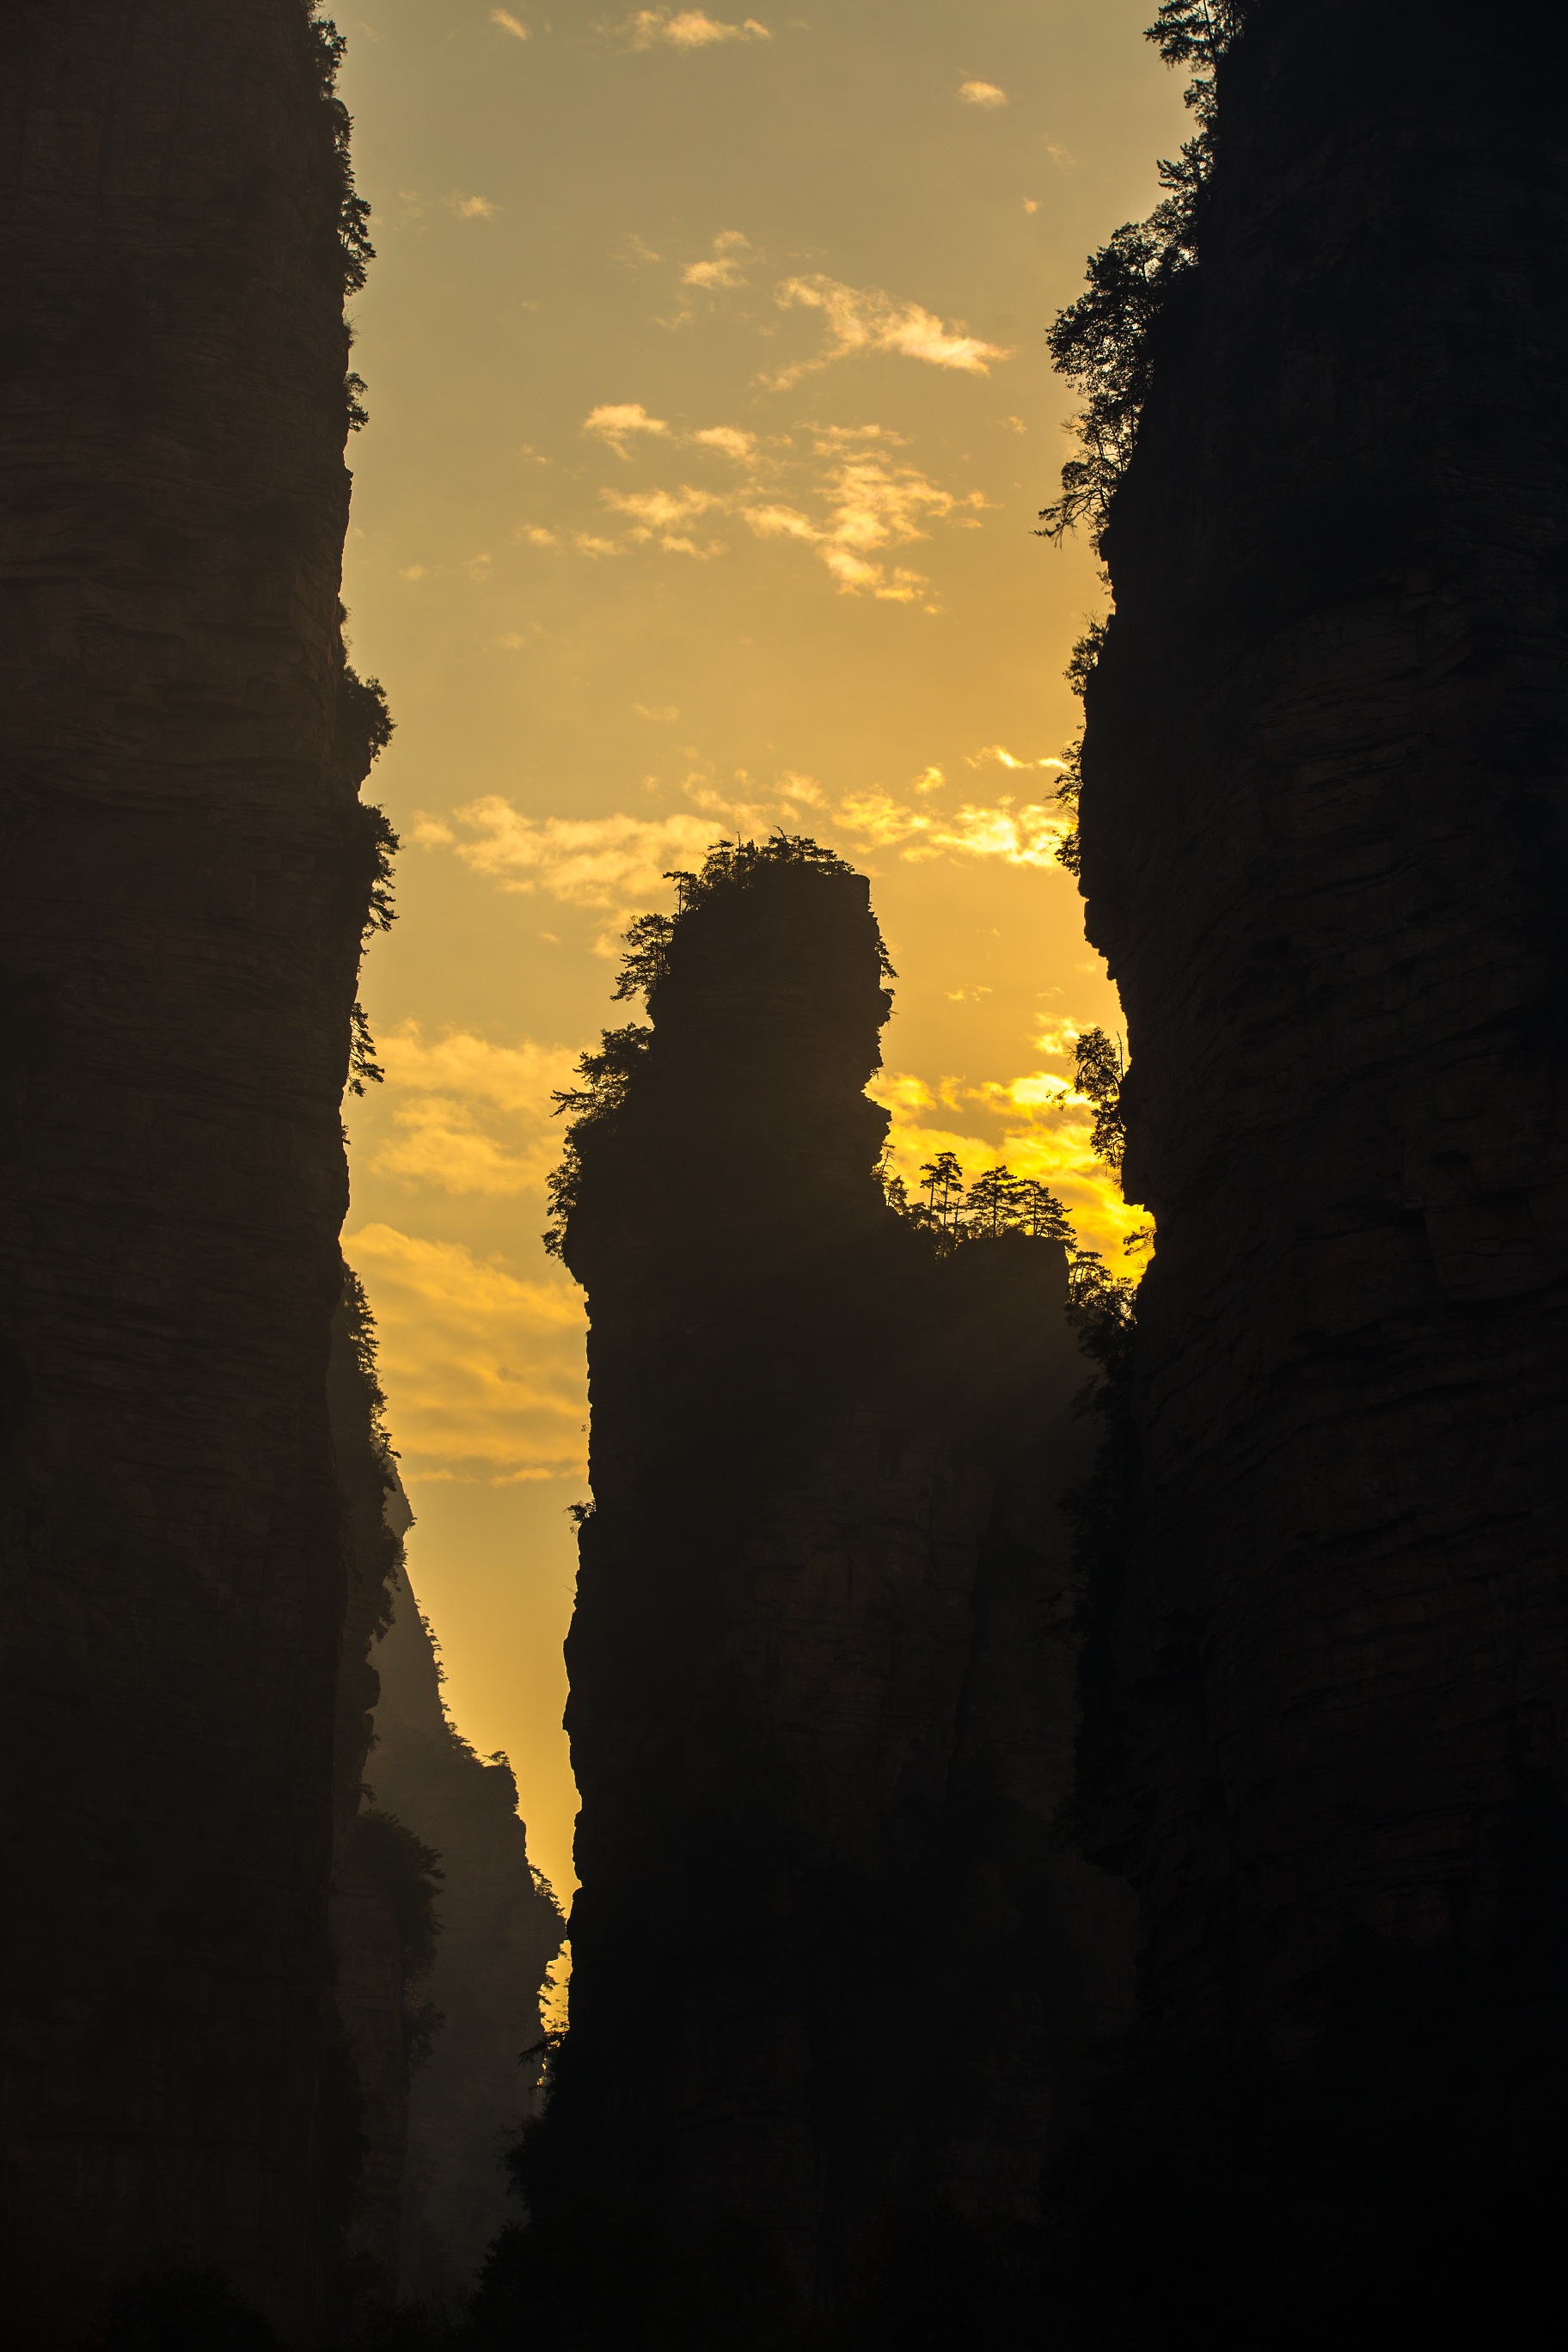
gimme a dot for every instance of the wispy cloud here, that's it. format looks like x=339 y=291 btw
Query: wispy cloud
x=618 y=865
x=868 y=504
x=617 y=422
x=728 y=440
x=620 y=861
x=601 y=862
x=509 y=24
x=472 y=208
x=688 y=28
x=514 y=1078
x=469 y=1115
x=982 y=93
x=487 y=1366
x=658 y=513
x=723 y=271
x=1016 y=835
x=863 y=500
x=1006 y=759
x=833 y=439
x=863 y=319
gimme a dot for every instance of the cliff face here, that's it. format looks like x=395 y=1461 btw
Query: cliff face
x=1323 y=834
x=184 y=873
x=821 y=1711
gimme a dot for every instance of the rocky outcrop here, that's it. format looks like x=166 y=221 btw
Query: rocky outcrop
x=834 y=1960
x=185 y=869
x=499 y=1932
x=1323 y=847
x=442 y=1932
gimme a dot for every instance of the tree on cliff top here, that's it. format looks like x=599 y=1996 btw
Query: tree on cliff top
x=353 y=210
x=729 y=866
x=1102 y=342
x=941 y=1181
x=997 y=1202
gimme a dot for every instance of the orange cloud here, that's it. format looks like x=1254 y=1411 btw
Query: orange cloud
x=866 y=320
x=688 y=28
x=487 y=1366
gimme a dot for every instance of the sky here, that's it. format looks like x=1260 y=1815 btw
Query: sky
x=710 y=418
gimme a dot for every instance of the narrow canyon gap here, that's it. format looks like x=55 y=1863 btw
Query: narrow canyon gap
x=184 y=870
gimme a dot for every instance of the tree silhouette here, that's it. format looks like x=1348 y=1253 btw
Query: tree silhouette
x=1042 y=1215
x=1099 y=1067
x=941 y=1180
x=648 y=952
x=1102 y=342
x=996 y=1202
x=895 y=1192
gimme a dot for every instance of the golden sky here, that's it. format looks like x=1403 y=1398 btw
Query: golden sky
x=709 y=416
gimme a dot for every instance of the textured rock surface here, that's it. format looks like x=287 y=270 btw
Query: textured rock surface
x=821 y=1713
x=184 y=870
x=1323 y=830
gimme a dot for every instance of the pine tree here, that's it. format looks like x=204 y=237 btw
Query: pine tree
x=996 y=1202
x=1041 y=1214
x=942 y=1180
x=1099 y=1067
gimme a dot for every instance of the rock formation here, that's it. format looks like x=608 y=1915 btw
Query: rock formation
x=442 y=1931
x=499 y=1930
x=834 y=1963
x=1324 y=837
x=185 y=871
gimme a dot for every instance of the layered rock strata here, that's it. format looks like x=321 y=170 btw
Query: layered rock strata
x=822 y=1708
x=1324 y=837
x=185 y=867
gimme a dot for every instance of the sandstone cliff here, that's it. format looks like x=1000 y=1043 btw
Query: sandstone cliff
x=834 y=1963
x=1323 y=842
x=185 y=869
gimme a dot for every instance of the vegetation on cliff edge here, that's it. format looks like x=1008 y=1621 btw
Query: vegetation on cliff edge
x=647 y=941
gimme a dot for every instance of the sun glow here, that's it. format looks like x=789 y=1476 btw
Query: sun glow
x=710 y=420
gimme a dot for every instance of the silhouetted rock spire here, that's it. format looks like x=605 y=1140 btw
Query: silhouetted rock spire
x=822 y=1706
